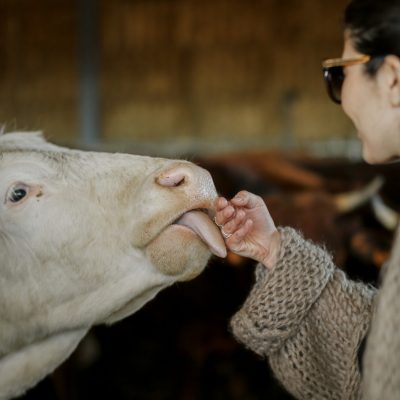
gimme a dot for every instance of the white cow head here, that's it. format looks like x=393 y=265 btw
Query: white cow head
x=88 y=238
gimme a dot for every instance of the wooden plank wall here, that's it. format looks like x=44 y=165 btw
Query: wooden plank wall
x=209 y=71
x=38 y=67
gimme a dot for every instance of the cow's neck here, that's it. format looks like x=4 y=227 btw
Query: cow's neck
x=22 y=369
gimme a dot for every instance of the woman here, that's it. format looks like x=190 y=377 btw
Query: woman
x=304 y=314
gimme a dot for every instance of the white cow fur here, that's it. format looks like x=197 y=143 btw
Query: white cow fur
x=87 y=245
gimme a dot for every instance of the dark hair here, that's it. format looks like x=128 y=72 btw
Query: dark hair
x=374 y=27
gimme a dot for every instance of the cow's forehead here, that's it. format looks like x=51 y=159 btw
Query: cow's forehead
x=26 y=147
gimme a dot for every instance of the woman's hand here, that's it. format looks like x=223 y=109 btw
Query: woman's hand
x=248 y=228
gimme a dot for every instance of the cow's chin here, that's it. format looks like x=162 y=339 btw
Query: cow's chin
x=178 y=251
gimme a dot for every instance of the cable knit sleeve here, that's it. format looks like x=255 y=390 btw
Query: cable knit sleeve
x=308 y=319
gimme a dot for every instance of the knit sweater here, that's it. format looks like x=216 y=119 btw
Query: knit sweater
x=309 y=320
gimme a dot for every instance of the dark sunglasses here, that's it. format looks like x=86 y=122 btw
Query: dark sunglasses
x=332 y=69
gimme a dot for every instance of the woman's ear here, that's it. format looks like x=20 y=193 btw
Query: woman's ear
x=389 y=77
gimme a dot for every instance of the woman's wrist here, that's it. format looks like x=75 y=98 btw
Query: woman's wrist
x=271 y=257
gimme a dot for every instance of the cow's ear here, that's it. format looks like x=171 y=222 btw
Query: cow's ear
x=21 y=140
x=26 y=141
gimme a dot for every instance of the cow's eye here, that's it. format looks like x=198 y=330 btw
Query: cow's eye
x=17 y=193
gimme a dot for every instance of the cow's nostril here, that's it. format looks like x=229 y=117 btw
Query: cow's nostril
x=180 y=182
x=172 y=179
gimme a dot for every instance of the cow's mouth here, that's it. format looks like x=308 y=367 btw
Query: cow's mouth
x=199 y=222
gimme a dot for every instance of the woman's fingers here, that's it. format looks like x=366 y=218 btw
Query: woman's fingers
x=240 y=234
x=246 y=199
x=232 y=216
x=224 y=212
x=220 y=203
x=235 y=222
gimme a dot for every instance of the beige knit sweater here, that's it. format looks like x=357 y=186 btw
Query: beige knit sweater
x=309 y=320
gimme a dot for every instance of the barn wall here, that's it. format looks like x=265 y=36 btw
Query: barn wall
x=206 y=73
x=38 y=74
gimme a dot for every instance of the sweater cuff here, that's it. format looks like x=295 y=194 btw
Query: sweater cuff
x=282 y=297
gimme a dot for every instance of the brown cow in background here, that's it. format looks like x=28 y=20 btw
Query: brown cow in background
x=335 y=202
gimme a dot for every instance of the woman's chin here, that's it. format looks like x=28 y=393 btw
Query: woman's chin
x=368 y=158
x=366 y=155
x=372 y=156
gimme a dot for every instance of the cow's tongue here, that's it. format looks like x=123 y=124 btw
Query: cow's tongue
x=200 y=223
